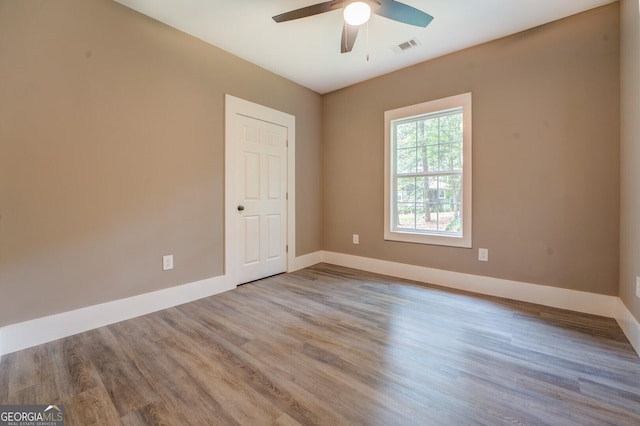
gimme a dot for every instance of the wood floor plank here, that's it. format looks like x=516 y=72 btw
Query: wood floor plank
x=179 y=395
x=4 y=378
x=243 y=369
x=31 y=368
x=92 y=407
x=332 y=345
x=150 y=414
x=239 y=399
x=285 y=420
x=79 y=374
x=350 y=398
x=124 y=383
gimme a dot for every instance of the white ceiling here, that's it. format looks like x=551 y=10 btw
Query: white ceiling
x=307 y=50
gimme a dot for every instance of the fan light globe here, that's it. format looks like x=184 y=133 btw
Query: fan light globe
x=357 y=13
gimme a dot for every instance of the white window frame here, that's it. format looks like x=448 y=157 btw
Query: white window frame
x=425 y=237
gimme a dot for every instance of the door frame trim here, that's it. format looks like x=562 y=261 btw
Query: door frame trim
x=237 y=106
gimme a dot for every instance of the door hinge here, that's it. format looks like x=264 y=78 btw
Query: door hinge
x=287 y=196
x=286 y=249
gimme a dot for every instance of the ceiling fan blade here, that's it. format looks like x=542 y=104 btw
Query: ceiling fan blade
x=403 y=13
x=315 y=9
x=349 y=34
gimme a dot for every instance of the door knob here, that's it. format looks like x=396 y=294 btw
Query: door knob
x=240 y=208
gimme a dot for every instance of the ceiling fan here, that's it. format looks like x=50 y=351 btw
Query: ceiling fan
x=357 y=13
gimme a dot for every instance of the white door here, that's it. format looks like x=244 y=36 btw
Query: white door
x=260 y=162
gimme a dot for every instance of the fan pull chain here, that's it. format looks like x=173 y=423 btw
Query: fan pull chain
x=345 y=36
x=367 y=41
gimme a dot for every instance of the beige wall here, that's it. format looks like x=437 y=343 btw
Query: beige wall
x=630 y=154
x=111 y=154
x=545 y=160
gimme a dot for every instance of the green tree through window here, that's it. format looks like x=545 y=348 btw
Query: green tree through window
x=428 y=164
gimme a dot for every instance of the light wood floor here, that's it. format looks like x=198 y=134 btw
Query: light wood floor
x=332 y=346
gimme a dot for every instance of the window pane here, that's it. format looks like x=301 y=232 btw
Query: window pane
x=430 y=131
x=431 y=183
x=427 y=221
x=421 y=217
x=449 y=207
x=420 y=133
x=406 y=160
x=430 y=203
x=426 y=158
x=456 y=157
x=406 y=215
x=432 y=156
x=406 y=135
x=443 y=157
x=422 y=189
x=406 y=190
x=451 y=128
x=450 y=143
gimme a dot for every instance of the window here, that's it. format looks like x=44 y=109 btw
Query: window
x=428 y=172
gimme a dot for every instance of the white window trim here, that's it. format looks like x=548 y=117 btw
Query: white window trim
x=464 y=101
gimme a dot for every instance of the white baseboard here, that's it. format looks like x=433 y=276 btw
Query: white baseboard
x=629 y=325
x=305 y=261
x=26 y=334
x=579 y=301
x=573 y=300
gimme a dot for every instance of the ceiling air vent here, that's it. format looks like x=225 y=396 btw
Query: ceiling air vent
x=407 y=45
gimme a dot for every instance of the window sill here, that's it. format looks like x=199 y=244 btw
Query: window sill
x=431 y=239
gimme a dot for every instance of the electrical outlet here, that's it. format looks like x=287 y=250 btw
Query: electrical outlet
x=356 y=239
x=483 y=254
x=638 y=286
x=167 y=262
